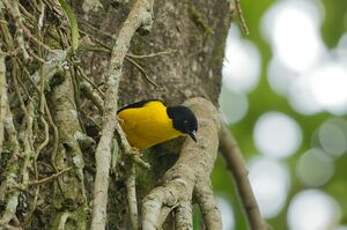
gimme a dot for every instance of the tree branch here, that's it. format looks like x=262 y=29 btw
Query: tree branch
x=190 y=174
x=12 y=170
x=233 y=157
x=184 y=216
x=17 y=169
x=139 y=16
x=69 y=153
x=88 y=91
x=208 y=205
x=3 y=99
x=132 y=201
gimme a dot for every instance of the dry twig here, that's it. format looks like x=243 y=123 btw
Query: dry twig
x=150 y=55
x=50 y=178
x=235 y=5
x=88 y=91
x=143 y=72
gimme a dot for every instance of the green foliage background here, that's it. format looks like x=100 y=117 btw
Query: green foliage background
x=263 y=99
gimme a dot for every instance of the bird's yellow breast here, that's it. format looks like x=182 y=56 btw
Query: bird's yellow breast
x=147 y=125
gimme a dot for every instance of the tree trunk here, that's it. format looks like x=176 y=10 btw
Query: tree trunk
x=52 y=84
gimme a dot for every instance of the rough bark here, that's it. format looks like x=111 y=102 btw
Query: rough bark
x=63 y=99
x=193 y=31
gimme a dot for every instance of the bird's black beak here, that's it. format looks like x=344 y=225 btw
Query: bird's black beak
x=193 y=135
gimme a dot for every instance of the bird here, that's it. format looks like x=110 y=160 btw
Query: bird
x=150 y=122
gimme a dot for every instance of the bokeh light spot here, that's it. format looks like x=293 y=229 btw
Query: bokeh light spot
x=315 y=168
x=277 y=135
x=301 y=97
x=227 y=213
x=280 y=78
x=341 y=50
x=313 y=210
x=328 y=84
x=293 y=29
x=241 y=66
x=270 y=181
x=333 y=136
x=234 y=106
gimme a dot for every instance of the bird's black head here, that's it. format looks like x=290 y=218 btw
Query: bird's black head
x=183 y=120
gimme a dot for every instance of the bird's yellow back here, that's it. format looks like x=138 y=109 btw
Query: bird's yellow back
x=147 y=125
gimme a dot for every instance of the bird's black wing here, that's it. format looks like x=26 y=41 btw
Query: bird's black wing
x=138 y=104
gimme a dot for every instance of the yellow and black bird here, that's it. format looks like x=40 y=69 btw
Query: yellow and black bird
x=150 y=122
